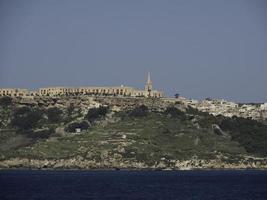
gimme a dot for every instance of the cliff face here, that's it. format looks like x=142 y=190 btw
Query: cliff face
x=126 y=133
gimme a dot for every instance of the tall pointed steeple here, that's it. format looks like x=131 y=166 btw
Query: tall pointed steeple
x=148 y=86
x=148 y=79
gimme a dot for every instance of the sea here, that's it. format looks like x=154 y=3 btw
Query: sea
x=129 y=185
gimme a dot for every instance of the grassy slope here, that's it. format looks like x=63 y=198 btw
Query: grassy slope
x=147 y=139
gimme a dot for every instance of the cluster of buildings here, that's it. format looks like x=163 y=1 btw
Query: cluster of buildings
x=13 y=92
x=105 y=91
x=228 y=109
x=212 y=106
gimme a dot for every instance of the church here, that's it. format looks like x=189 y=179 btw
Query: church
x=104 y=91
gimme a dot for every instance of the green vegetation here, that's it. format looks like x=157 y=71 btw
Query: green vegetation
x=84 y=125
x=148 y=138
x=139 y=111
x=70 y=109
x=96 y=113
x=249 y=133
x=5 y=101
x=54 y=114
x=40 y=134
x=140 y=134
x=26 y=118
x=176 y=113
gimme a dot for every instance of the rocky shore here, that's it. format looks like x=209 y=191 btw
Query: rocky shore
x=81 y=163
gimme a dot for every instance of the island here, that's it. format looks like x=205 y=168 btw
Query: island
x=79 y=130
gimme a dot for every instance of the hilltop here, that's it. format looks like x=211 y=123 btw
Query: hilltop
x=125 y=133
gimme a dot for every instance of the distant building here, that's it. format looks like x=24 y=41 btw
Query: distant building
x=105 y=91
x=13 y=92
x=78 y=130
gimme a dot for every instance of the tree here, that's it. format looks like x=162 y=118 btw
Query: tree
x=174 y=112
x=54 y=114
x=95 y=113
x=70 y=109
x=176 y=95
x=139 y=111
x=26 y=118
x=84 y=125
x=249 y=133
x=5 y=101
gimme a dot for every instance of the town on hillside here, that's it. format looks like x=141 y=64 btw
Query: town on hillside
x=212 y=106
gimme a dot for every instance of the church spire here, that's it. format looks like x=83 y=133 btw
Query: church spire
x=148 y=86
x=148 y=78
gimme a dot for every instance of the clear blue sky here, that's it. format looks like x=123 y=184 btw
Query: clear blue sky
x=208 y=48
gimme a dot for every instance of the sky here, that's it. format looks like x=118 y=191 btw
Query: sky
x=199 y=49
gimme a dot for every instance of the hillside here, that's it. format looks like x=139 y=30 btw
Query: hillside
x=119 y=133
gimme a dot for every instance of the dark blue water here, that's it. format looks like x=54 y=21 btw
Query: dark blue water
x=75 y=185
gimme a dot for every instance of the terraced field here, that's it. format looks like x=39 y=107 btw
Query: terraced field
x=146 y=139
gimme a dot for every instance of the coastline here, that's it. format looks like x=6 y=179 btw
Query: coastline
x=89 y=165
x=131 y=169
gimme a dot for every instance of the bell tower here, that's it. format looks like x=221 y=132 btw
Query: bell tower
x=148 y=86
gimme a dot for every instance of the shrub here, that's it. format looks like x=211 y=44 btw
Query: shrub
x=40 y=134
x=208 y=120
x=5 y=101
x=175 y=112
x=96 y=113
x=70 y=109
x=176 y=95
x=54 y=114
x=26 y=118
x=249 y=133
x=140 y=111
x=82 y=125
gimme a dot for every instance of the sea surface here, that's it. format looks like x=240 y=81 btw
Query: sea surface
x=75 y=185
